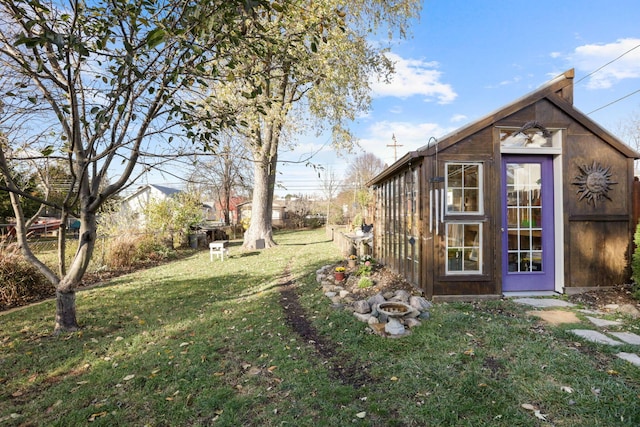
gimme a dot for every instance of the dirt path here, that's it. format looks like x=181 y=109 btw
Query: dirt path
x=342 y=368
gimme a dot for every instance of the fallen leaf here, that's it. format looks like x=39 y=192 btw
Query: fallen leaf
x=528 y=406
x=184 y=344
x=129 y=377
x=361 y=414
x=16 y=394
x=567 y=389
x=271 y=368
x=394 y=378
x=540 y=415
x=613 y=372
x=218 y=374
x=470 y=352
x=93 y=417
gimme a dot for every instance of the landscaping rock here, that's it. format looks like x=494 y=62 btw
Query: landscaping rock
x=394 y=327
x=401 y=295
x=629 y=310
x=361 y=307
x=343 y=294
x=388 y=295
x=330 y=294
x=413 y=313
x=425 y=315
x=412 y=323
x=376 y=299
x=362 y=317
x=419 y=303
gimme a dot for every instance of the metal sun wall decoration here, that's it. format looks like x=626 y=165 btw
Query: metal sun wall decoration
x=594 y=183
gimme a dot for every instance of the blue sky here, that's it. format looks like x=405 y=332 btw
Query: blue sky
x=468 y=58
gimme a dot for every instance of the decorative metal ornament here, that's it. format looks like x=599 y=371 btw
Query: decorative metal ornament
x=594 y=183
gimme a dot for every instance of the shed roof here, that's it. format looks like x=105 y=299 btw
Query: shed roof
x=559 y=91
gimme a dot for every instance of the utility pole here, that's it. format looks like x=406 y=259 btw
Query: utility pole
x=395 y=145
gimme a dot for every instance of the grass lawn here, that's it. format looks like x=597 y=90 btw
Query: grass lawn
x=195 y=343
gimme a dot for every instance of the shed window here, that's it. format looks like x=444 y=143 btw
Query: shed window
x=464 y=188
x=464 y=248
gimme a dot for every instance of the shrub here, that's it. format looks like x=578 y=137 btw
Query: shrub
x=150 y=248
x=20 y=282
x=365 y=282
x=635 y=264
x=121 y=251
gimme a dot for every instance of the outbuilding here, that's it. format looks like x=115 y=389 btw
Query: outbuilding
x=533 y=198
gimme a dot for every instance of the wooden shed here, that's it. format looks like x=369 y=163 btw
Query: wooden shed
x=533 y=198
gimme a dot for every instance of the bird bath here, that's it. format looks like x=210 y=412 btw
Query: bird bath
x=394 y=309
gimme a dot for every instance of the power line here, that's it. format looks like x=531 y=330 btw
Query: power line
x=608 y=63
x=613 y=102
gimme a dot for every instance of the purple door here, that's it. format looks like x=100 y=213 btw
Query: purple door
x=527 y=224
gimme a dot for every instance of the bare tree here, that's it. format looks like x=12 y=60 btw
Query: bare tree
x=330 y=187
x=226 y=173
x=361 y=170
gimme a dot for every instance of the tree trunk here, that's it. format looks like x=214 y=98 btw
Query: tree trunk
x=261 y=226
x=66 y=312
x=65 y=290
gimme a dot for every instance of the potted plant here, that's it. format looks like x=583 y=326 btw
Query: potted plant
x=352 y=260
x=339 y=274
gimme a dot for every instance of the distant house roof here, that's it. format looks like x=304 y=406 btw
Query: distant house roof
x=166 y=191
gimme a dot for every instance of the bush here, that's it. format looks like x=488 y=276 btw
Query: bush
x=635 y=264
x=151 y=249
x=125 y=251
x=365 y=282
x=121 y=251
x=20 y=282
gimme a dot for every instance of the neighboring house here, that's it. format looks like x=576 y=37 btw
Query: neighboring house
x=278 y=215
x=136 y=202
x=535 y=197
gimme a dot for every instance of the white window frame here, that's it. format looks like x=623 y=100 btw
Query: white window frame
x=479 y=245
x=480 y=210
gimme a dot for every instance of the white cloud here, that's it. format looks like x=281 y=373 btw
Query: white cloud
x=457 y=118
x=415 y=77
x=590 y=57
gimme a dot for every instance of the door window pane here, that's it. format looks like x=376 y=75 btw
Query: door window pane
x=524 y=227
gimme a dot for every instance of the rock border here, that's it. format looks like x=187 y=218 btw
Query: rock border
x=366 y=310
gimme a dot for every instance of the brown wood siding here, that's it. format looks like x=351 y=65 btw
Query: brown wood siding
x=597 y=253
x=599 y=233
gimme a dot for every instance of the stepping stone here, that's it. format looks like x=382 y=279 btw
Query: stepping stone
x=592 y=312
x=628 y=337
x=595 y=336
x=603 y=322
x=544 y=302
x=555 y=317
x=630 y=357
